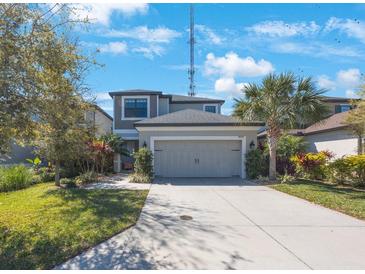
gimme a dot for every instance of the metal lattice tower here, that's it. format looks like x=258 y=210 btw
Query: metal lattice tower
x=191 y=70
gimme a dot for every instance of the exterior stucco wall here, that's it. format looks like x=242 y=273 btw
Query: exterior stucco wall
x=251 y=135
x=340 y=142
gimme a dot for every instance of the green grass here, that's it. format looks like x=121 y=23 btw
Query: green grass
x=347 y=200
x=43 y=226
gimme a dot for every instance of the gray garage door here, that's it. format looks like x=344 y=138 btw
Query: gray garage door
x=197 y=158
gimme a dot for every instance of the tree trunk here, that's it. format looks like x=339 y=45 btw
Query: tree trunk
x=272 y=143
x=359 y=145
x=57 y=173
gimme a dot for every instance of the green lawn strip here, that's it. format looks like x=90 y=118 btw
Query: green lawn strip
x=347 y=200
x=43 y=226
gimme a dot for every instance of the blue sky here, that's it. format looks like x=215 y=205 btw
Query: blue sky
x=145 y=46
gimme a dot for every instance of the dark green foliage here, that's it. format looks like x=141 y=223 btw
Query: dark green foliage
x=287 y=147
x=86 y=178
x=256 y=164
x=116 y=143
x=68 y=182
x=143 y=162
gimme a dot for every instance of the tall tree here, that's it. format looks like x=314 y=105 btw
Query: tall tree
x=23 y=29
x=282 y=101
x=355 y=119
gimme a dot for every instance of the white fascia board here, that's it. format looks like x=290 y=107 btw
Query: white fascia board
x=198 y=128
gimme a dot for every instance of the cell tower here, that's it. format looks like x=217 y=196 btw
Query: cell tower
x=191 y=71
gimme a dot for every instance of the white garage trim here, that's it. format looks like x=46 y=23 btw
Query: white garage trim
x=208 y=138
x=195 y=128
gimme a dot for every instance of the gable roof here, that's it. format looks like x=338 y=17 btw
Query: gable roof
x=192 y=99
x=336 y=121
x=335 y=99
x=192 y=117
x=103 y=112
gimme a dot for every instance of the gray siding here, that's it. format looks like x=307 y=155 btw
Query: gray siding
x=129 y=124
x=198 y=106
x=163 y=107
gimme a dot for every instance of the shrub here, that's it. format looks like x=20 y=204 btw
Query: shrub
x=311 y=165
x=68 y=183
x=15 y=177
x=286 y=179
x=349 y=169
x=256 y=164
x=86 y=178
x=287 y=147
x=46 y=174
x=36 y=178
x=139 y=178
x=143 y=162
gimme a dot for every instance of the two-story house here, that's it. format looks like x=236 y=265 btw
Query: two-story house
x=188 y=136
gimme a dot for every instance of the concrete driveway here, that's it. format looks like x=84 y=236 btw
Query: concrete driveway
x=234 y=226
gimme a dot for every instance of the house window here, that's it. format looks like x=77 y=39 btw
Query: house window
x=135 y=108
x=342 y=108
x=210 y=108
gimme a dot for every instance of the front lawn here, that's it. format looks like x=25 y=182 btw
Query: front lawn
x=43 y=226
x=348 y=200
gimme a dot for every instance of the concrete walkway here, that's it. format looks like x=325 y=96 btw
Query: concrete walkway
x=234 y=226
x=118 y=181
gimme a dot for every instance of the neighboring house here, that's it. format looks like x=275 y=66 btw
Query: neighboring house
x=102 y=121
x=336 y=104
x=329 y=134
x=188 y=136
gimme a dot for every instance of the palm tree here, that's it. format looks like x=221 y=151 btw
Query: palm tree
x=282 y=101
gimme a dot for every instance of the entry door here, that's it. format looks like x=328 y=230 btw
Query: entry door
x=201 y=158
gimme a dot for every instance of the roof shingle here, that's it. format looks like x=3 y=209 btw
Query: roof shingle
x=192 y=117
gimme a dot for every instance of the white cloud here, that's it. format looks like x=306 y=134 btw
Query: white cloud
x=282 y=29
x=102 y=97
x=353 y=28
x=229 y=85
x=325 y=82
x=316 y=49
x=114 y=48
x=209 y=35
x=349 y=78
x=351 y=94
x=101 y=12
x=150 y=51
x=143 y=33
x=232 y=65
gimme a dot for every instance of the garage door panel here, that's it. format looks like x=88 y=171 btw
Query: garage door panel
x=201 y=158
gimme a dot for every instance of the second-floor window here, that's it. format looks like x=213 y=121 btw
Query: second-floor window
x=342 y=108
x=210 y=108
x=135 y=108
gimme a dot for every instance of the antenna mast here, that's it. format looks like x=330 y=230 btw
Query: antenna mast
x=191 y=71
